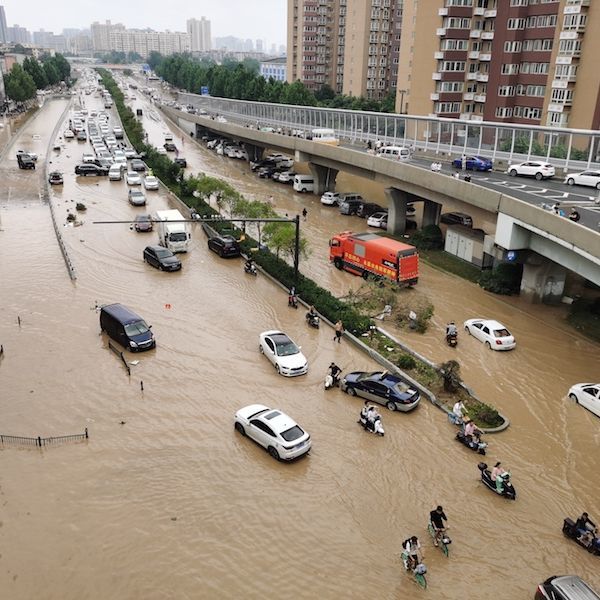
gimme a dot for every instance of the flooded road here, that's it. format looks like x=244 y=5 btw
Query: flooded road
x=174 y=504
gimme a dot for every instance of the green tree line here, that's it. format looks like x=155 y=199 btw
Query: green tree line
x=242 y=81
x=22 y=82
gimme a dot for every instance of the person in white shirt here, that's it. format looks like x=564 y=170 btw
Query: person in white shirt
x=412 y=548
x=458 y=410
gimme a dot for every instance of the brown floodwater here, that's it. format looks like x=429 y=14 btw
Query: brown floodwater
x=174 y=504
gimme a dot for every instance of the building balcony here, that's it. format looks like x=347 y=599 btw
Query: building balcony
x=479 y=98
x=564 y=60
x=468 y=96
x=482 y=77
x=477 y=118
x=478 y=11
x=485 y=57
x=490 y=14
x=472 y=76
x=561 y=84
x=436 y=76
x=474 y=54
x=442 y=12
x=441 y=31
x=434 y=96
x=487 y=35
x=568 y=35
x=438 y=55
x=555 y=107
x=475 y=33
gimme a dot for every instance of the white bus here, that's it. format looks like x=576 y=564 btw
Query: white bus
x=304 y=183
x=325 y=136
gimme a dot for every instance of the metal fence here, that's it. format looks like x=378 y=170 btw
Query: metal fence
x=40 y=441
x=568 y=148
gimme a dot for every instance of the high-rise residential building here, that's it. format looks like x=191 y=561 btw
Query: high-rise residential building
x=145 y=42
x=502 y=60
x=372 y=47
x=259 y=46
x=101 y=35
x=200 y=34
x=18 y=35
x=315 y=42
x=3 y=27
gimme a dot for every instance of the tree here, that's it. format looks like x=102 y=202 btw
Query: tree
x=297 y=93
x=52 y=73
x=324 y=93
x=33 y=67
x=19 y=85
x=282 y=237
x=154 y=59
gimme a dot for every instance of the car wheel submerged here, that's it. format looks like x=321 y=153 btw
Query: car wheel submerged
x=338 y=263
x=240 y=429
x=351 y=391
x=391 y=406
x=260 y=349
x=467 y=330
x=273 y=452
x=574 y=398
x=277 y=369
x=488 y=345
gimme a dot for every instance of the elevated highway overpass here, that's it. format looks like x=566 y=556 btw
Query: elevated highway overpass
x=544 y=242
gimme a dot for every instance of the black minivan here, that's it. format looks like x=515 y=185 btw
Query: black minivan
x=127 y=328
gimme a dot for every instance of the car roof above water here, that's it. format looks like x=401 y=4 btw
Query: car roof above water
x=573 y=588
x=121 y=313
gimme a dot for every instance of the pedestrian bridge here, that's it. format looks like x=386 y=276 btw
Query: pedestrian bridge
x=520 y=226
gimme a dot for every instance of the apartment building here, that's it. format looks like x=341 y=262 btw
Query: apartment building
x=315 y=42
x=514 y=61
x=145 y=42
x=199 y=32
x=101 y=33
x=372 y=47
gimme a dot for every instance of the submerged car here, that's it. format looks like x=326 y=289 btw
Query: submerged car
x=133 y=178
x=588 y=395
x=492 y=333
x=283 y=353
x=161 y=258
x=142 y=223
x=382 y=387
x=151 y=182
x=55 y=178
x=378 y=219
x=275 y=431
x=474 y=163
x=136 y=198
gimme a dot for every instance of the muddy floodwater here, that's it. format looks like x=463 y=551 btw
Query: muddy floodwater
x=166 y=500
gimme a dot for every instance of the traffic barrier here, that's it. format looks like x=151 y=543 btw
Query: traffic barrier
x=40 y=441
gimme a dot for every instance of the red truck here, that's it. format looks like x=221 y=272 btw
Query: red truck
x=369 y=254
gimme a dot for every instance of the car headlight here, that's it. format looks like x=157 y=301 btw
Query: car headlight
x=132 y=344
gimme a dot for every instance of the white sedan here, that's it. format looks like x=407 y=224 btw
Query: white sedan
x=68 y=134
x=589 y=178
x=133 y=178
x=283 y=353
x=588 y=395
x=532 y=168
x=378 y=219
x=282 y=437
x=150 y=182
x=493 y=334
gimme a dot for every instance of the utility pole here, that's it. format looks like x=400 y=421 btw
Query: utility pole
x=297 y=249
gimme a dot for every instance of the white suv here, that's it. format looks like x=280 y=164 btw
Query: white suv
x=532 y=168
x=330 y=198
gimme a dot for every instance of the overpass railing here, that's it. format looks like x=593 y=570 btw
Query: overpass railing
x=567 y=148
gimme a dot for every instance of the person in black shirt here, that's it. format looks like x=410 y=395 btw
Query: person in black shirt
x=437 y=518
x=586 y=529
x=574 y=215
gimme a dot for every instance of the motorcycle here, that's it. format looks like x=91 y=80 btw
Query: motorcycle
x=571 y=532
x=370 y=423
x=250 y=269
x=452 y=339
x=313 y=320
x=472 y=444
x=293 y=301
x=508 y=491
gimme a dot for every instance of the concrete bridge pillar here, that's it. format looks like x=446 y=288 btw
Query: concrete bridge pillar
x=542 y=280
x=398 y=200
x=324 y=178
x=431 y=213
x=255 y=152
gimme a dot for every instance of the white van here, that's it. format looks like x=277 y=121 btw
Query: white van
x=115 y=173
x=304 y=183
x=325 y=136
x=394 y=152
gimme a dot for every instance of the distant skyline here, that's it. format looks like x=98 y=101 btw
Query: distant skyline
x=239 y=18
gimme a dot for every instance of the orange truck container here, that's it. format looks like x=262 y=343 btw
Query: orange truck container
x=369 y=254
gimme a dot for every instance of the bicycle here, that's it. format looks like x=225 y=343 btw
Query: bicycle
x=443 y=541
x=418 y=572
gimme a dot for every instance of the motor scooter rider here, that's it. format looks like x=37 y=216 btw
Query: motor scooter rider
x=292 y=298
x=334 y=371
x=249 y=266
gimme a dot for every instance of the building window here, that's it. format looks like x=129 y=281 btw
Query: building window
x=506 y=90
x=456 y=23
x=450 y=87
x=516 y=24
x=510 y=69
x=452 y=65
x=447 y=107
x=454 y=45
x=504 y=112
x=513 y=46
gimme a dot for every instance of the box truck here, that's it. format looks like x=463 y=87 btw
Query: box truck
x=173 y=233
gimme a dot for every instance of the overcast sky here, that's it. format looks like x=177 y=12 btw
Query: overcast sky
x=255 y=19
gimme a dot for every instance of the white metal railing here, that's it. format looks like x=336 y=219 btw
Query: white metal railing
x=567 y=148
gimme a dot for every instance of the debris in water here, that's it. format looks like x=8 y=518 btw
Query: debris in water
x=134 y=362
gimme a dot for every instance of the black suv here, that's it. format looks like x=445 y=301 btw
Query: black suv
x=181 y=162
x=224 y=245
x=457 y=218
x=161 y=258
x=25 y=161
x=55 y=178
x=89 y=169
x=137 y=165
x=170 y=147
